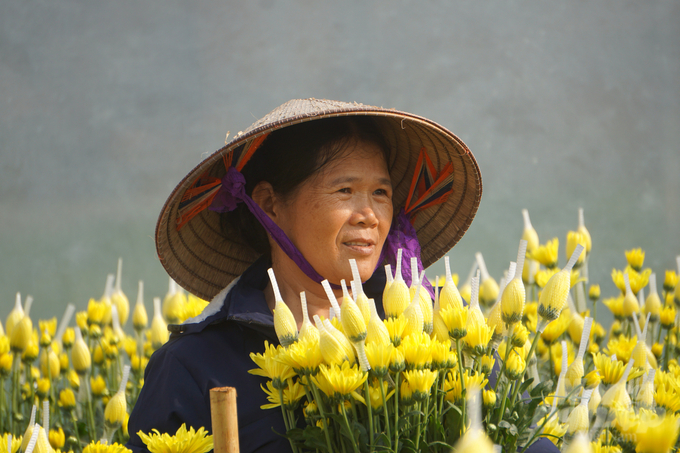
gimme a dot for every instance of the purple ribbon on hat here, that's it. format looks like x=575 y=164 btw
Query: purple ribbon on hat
x=402 y=234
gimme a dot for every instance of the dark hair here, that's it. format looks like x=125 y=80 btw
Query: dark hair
x=288 y=157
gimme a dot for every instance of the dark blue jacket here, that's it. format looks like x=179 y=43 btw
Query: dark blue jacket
x=214 y=351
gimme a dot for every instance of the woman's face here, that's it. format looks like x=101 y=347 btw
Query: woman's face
x=342 y=212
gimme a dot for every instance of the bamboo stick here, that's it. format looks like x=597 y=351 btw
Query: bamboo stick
x=224 y=419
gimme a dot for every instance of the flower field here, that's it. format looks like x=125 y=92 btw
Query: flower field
x=525 y=359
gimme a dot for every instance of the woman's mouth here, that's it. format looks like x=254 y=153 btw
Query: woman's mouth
x=361 y=247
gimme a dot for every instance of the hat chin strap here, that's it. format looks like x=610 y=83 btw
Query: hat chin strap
x=402 y=234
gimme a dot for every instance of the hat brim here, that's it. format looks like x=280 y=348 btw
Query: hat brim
x=203 y=261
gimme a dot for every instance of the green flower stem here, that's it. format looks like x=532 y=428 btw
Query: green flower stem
x=419 y=424
x=462 y=380
x=74 y=420
x=536 y=432
x=319 y=404
x=502 y=411
x=526 y=365
x=15 y=392
x=550 y=364
x=370 y=411
x=666 y=351
x=90 y=412
x=505 y=359
x=396 y=412
x=286 y=420
x=385 y=413
x=3 y=409
x=349 y=429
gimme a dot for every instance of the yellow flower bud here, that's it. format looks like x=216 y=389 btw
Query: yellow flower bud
x=657 y=350
x=414 y=318
x=67 y=399
x=449 y=296
x=635 y=258
x=574 y=374
x=21 y=334
x=95 y=311
x=42 y=445
x=31 y=352
x=81 y=320
x=593 y=379
x=173 y=306
x=98 y=386
x=554 y=296
x=529 y=234
x=594 y=292
x=514 y=367
x=456 y=321
x=139 y=317
x=43 y=387
x=80 y=355
x=57 y=438
x=488 y=291
x=512 y=301
x=595 y=399
x=653 y=306
x=119 y=299
x=115 y=411
x=49 y=357
x=397 y=298
x=579 y=420
x=73 y=378
x=6 y=364
x=376 y=331
x=489 y=399
x=14 y=316
x=285 y=324
x=352 y=319
x=332 y=349
x=573 y=239
x=667 y=317
x=670 y=281
x=487 y=364
x=159 y=329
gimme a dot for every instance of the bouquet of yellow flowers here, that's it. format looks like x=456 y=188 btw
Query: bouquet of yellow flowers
x=403 y=383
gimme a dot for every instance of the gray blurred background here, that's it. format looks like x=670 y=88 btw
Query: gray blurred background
x=105 y=106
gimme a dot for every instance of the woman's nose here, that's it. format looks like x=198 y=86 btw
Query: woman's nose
x=364 y=214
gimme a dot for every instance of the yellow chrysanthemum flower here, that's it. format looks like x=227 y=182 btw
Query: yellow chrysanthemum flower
x=291 y=395
x=622 y=346
x=670 y=281
x=417 y=351
x=56 y=438
x=547 y=253
x=376 y=394
x=455 y=320
x=271 y=367
x=98 y=447
x=477 y=338
x=304 y=356
x=594 y=292
x=454 y=389
x=379 y=357
x=635 y=258
x=553 y=430
x=67 y=399
x=395 y=327
x=637 y=280
x=16 y=443
x=575 y=238
x=657 y=435
x=183 y=441
x=420 y=382
x=339 y=381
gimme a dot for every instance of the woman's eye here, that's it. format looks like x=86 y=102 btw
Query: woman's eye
x=381 y=192
x=345 y=190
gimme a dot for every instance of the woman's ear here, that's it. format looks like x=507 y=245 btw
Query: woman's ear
x=264 y=196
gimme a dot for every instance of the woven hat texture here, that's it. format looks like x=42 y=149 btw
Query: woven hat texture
x=203 y=261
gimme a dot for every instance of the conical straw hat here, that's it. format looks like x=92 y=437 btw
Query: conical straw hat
x=203 y=261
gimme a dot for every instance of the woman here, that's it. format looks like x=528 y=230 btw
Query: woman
x=303 y=190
